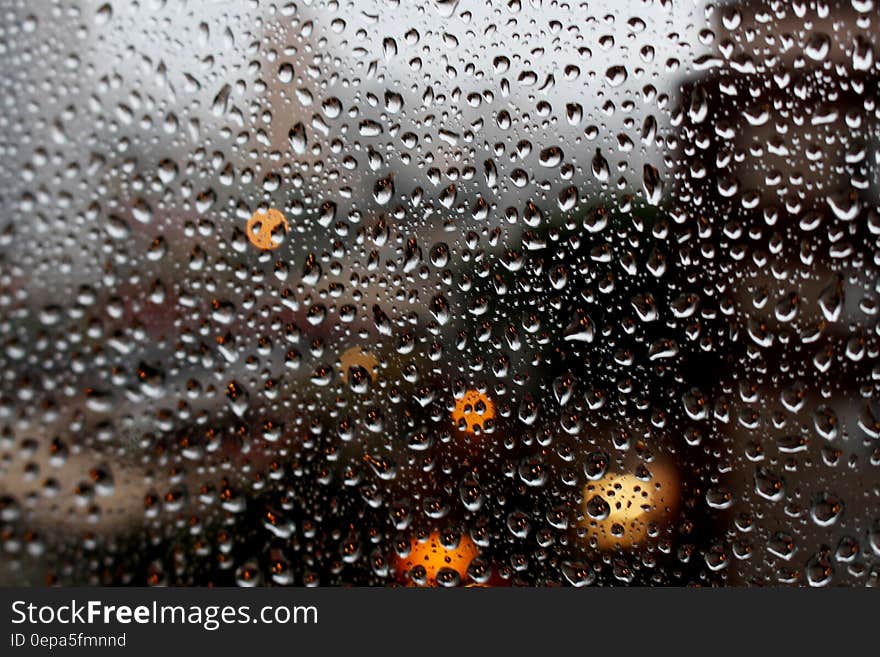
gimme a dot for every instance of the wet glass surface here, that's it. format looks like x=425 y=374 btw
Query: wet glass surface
x=439 y=293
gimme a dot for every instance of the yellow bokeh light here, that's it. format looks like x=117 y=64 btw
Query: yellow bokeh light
x=619 y=508
x=358 y=357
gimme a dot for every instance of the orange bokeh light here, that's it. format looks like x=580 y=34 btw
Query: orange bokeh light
x=472 y=411
x=433 y=557
x=263 y=229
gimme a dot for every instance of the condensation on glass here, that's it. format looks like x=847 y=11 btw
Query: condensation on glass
x=439 y=293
